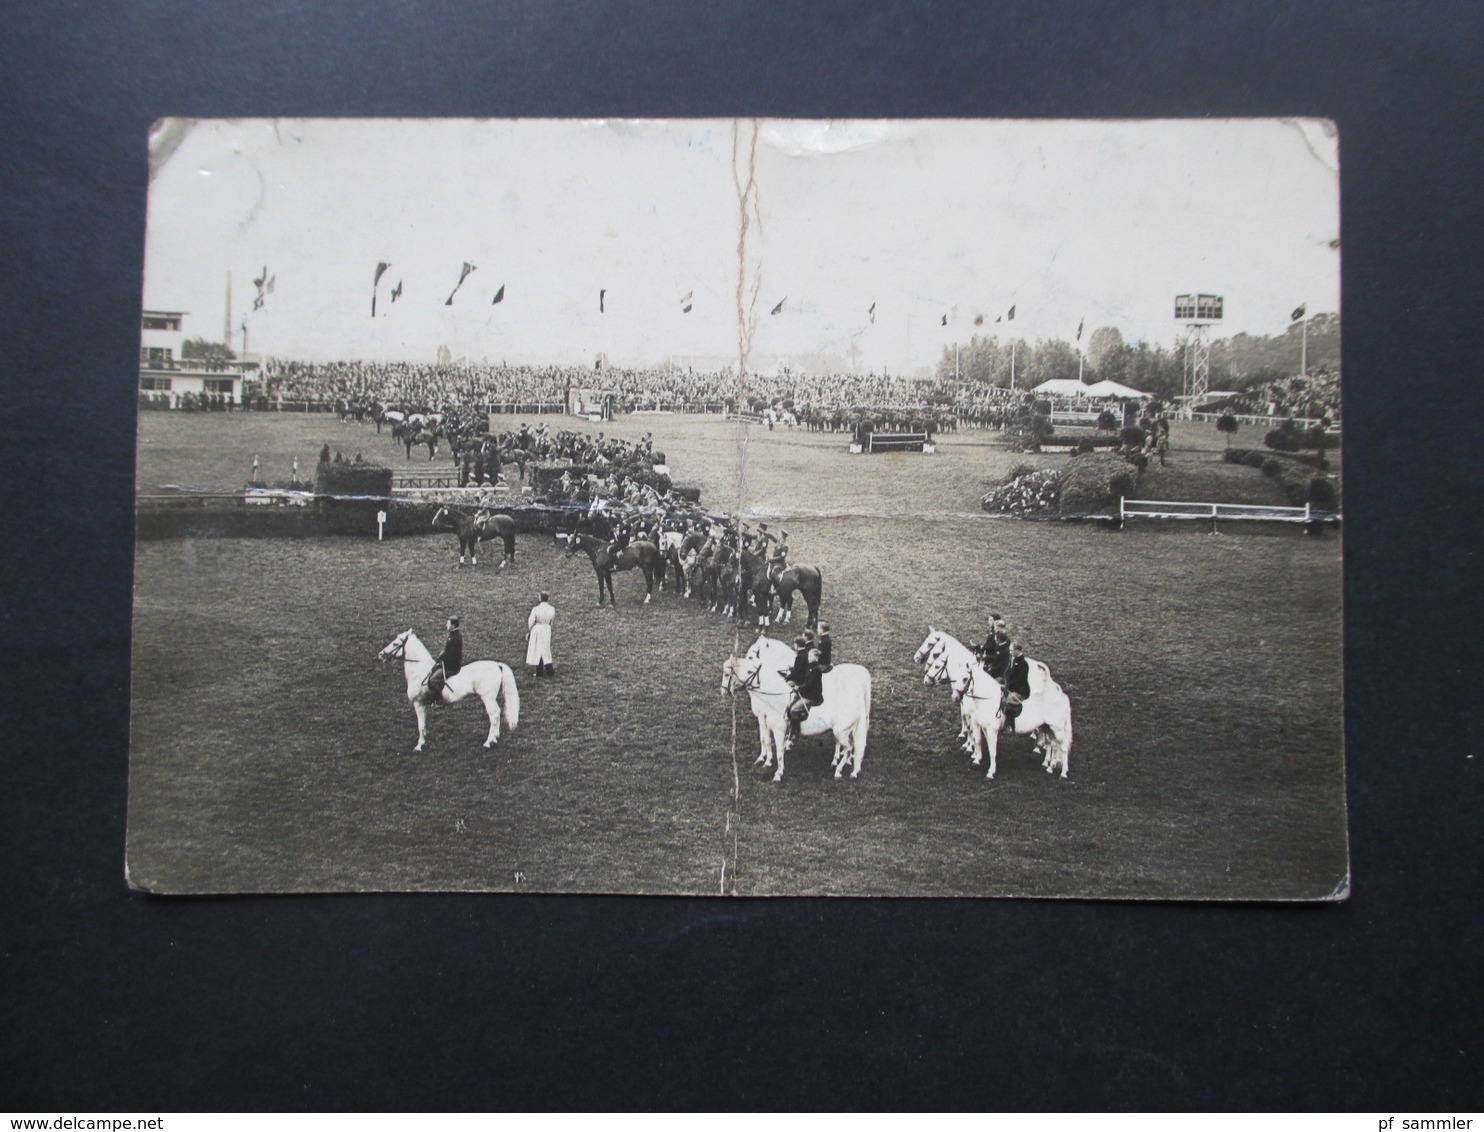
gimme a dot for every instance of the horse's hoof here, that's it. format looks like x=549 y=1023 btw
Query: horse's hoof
x=855 y=774
x=778 y=777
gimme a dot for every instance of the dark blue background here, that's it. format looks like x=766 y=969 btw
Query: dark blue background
x=113 y=1000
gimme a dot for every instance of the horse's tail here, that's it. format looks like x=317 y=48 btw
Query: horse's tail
x=864 y=727
x=511 y=695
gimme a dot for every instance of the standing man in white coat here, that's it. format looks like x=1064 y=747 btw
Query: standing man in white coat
x=538 y=636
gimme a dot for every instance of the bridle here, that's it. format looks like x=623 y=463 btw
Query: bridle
x=968 y=689
x=752 y=683
x=400 y=645
x=940 y=658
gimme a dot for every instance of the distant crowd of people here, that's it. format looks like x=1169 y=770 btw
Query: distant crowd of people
x=188 y=402
x=1315 y=396
x=831 y=401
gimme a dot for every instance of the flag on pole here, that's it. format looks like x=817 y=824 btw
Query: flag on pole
x=1298 y=312
x=872 y=313
x=1080 y=321
x=262 y=283
x=464 y=274
x=499 y=295
x=779 y=308
x=376 y=282
x=1011 y=316
x=397 y=291
x=685 y=302
x=978 y=320
x=945 y=320
x=601 y=293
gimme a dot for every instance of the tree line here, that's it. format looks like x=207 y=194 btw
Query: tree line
x=1240 y=362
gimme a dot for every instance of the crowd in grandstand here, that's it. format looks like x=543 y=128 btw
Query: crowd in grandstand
x=1315 y=396
x=810 y=399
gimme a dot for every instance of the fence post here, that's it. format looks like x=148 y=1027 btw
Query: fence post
x=1213 y=518
x=1120 y=512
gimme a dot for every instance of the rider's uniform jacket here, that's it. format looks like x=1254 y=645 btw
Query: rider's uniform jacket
x=1018 y=677
x=825 y=647
x=811 y=688
x=800 y=670
x=452 y=655
x=996 y=655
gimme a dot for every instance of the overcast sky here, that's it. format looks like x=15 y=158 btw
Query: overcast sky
x=1102 y=221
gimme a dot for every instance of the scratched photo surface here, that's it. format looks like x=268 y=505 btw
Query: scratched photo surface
x=898 y=508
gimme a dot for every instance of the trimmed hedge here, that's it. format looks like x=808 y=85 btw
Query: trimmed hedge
x=352 y=480
x=1095 y=482
x=1288 y=438
x=1294 y=473
x=1254 y=457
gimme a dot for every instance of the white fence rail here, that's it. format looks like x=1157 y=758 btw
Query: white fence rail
x=1211 y=512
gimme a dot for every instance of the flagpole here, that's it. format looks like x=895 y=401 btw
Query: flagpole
x=1012 y=365
x=1304 y=349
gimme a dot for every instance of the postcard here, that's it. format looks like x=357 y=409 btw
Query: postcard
x=741 y=508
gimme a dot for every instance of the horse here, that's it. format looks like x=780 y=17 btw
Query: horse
x=1046 y=714
x=845 y=712
x=938 y=641
x=688 y=554
x=807 y=582
x=754 y=583
x=645 y=555
x=1038 y=677
x=471 y=533
x=670 y=543
x=490 y=680
x=411 y=436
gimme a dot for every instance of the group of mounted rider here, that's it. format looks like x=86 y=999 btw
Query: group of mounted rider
x=735 y=568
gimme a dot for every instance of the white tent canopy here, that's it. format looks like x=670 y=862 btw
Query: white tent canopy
x=1113 y=389
x=1064 y=387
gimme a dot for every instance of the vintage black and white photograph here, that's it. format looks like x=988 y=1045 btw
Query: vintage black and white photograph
x=740 y=507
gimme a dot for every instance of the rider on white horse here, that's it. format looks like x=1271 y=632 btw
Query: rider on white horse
x=448 y=662
x=808 y=693
x=1017 y=683
x=994 y=654
x=826 y=647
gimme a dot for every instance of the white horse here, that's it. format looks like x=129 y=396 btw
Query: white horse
x=1046 y=714
x=488 y=679
x=938 y=643
x=981 y=698
x=940 y=655
x=846 y=711
x=670 y=543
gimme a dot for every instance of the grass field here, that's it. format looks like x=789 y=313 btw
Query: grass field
x=272 y=752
